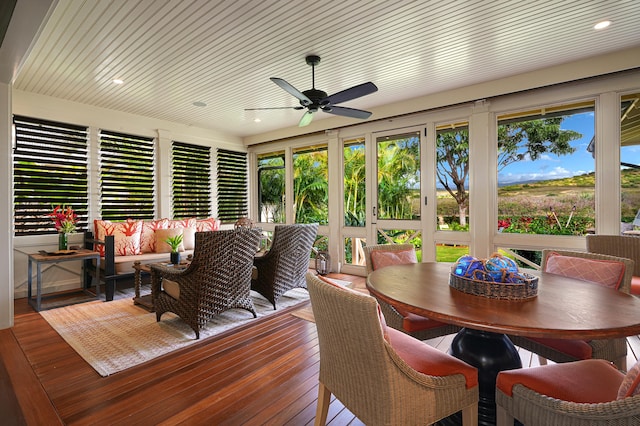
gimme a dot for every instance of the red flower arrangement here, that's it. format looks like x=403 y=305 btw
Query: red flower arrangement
x=64 y=218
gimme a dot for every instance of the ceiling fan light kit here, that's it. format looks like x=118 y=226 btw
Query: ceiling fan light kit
x=315 y=99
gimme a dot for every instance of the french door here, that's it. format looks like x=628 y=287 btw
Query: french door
x=397 y=188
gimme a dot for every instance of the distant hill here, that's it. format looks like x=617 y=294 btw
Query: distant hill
x=630 y=179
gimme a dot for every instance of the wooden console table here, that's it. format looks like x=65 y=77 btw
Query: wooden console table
x=43 y=258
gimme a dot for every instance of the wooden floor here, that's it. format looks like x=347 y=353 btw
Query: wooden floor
x=263 y=374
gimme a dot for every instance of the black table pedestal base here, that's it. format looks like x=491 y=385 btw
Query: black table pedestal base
x=490 y=353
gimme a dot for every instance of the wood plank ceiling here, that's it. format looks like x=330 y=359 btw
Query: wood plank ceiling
x=174 y=53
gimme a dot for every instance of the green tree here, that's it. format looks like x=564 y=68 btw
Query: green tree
x=271 y=189
x=354 y=185
x=452 y=155
x=398 y=177
x=530 y=139
x=516 y=141
x=310 y=187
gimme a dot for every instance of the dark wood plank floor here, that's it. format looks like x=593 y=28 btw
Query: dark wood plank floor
x=263 y=374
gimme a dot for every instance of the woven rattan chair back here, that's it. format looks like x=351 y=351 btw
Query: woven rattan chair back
x=616 y=245
x=218 y=278
x=393 y=317
x=284 y=266
x=614 y=350
x=363 y=371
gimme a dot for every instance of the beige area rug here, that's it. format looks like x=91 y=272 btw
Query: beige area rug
x=114 y=336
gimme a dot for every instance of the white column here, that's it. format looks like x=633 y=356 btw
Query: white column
x=482 y=181
x=6 y=213
x=607 y=152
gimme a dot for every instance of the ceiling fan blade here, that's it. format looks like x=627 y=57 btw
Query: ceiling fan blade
x=306 y=119
x=292 y=90
x=348 y=112
x=350 y=93
x=260 y=109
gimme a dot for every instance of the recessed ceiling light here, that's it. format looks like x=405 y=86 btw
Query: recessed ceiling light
x=117 y=81
x=199 y=104
x=257 y=120
x=601 y=25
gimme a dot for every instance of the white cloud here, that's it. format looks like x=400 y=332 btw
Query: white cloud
x=555 y=173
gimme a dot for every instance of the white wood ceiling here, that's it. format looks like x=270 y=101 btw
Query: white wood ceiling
x=172 y=53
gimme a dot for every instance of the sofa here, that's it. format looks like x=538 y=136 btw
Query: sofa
x=120 y=244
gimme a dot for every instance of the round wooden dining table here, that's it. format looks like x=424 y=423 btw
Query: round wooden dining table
x=563 y=308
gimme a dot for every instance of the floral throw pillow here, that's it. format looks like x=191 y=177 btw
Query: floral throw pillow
x=126 y=236
x=380 y=258
x=210 y=224
x=148 y=236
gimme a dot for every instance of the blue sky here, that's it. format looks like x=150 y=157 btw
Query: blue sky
x=551 y=166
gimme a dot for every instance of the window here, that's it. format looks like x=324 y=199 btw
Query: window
x=271 y=176
x=399 y=176
x=49 y=169
x=546 y=171
x=452 y=174
x=630 y=162
x=354 y=183
x=232 y=186
x=310 y=185
x=127 y=176
x=191 y=181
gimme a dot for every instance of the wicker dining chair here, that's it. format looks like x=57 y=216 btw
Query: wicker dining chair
x=580 y=393
x=217 y=279
x=381 y=375
x=284 y=266
x=415 y=325
x=565 y=350
x=621 y=246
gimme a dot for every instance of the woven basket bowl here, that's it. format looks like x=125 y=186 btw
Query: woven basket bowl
x=508 y=291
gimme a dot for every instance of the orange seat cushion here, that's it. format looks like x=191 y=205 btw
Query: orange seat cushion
x=579 y=349
x=588 y=381
x=427 y=360
x=412 y=322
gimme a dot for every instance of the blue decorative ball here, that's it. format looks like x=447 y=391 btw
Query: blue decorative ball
x=500 y=267
x=467 y=265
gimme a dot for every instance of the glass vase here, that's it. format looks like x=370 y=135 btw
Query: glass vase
x=63 y=241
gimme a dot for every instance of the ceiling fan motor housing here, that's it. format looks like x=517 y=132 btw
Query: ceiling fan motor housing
x=314 y=99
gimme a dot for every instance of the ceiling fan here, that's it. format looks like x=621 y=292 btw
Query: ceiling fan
x=314 y=99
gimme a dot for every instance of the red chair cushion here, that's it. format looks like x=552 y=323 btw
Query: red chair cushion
x=578 y=349
x=428 y=360
x=413 y=322
x=588 y=381
x=635 y=285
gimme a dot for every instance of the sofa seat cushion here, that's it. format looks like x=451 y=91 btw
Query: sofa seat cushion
x=124 y=264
